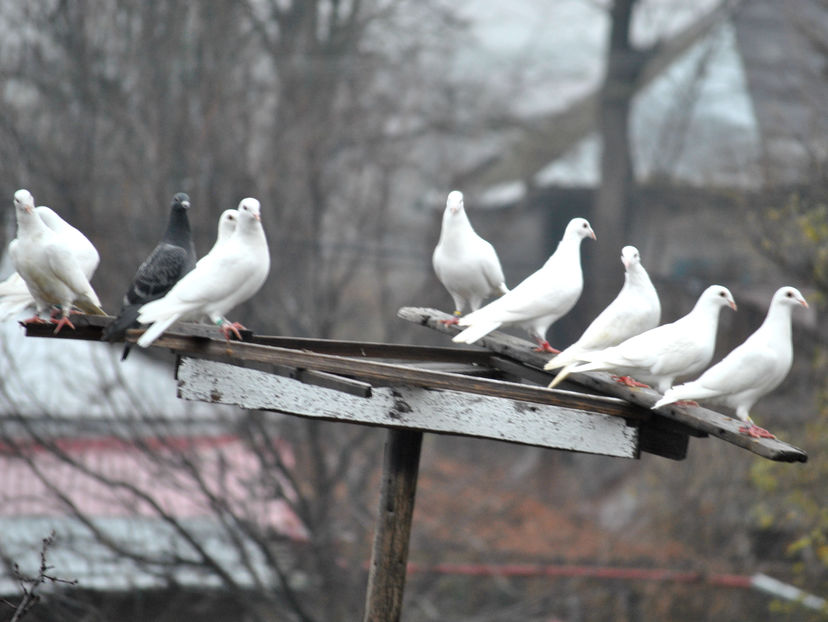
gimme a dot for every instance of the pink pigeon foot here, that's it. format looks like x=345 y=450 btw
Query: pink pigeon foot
x=755 y=431
x=630 y=382
x=544 y=346
x=451 y=321
x=686 y=403
x=64 y=321
x=35 y=319
x=234 y=327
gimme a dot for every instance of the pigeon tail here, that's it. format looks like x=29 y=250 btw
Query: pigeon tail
x=89 y=306
x=154 y=331
x=476 y=331
x=567 y=369
x=685 y=392
x=14 y=297
x=117 y=328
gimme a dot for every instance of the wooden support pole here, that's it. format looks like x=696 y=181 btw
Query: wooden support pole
x=389 y=556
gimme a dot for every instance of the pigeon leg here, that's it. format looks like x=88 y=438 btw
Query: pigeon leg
x=686 y=403
x=630 y=382
x=755 y=431
x=454 y=320
x=35 y=319
x=543 y=346
x=231 y=327
x=63 y=321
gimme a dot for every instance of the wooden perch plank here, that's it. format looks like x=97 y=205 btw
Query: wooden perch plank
x=701 y=419
x=415 y=408
x=386 y=373
x=362 y=349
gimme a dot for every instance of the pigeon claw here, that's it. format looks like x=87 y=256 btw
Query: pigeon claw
x=35 y=319
x=544 y=346
x=628 y=381
x=64 y=321
x=755 y=431
x=234 y=328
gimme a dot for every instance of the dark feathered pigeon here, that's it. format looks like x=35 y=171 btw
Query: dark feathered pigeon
x=172 y=258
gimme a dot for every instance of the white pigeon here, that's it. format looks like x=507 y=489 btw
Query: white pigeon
x=751 y=370
x=659 y=355
x=47 y=262
x=224 y=278
x=635 y=309
x=466 y=264
x=541 y=298
x=226 y=227
x=14 y=294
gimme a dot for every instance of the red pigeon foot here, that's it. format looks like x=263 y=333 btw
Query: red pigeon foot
x=630 y=382
x=234 y=328
x=545 y=347
x=35 y=319
x=64 y=321
x=755 y=431
x=451 y=321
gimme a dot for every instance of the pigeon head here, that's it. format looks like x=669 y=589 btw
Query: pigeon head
x=578 y=228
x=454 y=202
x=23 y=200
x=251 y=207
x=718 y=296
x=227 y=223
x=630 y=256
x=181 y=199
x=789 y=296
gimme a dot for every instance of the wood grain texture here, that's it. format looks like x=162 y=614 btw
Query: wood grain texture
x=415 y=408
x=392 y=533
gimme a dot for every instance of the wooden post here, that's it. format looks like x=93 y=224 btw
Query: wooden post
x=389 y=556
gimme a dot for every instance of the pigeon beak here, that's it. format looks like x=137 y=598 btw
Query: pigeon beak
x=592 y=234
x=804 y=303
x=185 y=204
x=625 y=262
x=732 y=305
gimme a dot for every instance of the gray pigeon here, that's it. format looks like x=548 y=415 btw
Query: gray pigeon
x=227 y=276
x=173 y=257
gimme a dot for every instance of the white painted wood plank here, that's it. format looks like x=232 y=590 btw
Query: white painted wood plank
x=446 y=412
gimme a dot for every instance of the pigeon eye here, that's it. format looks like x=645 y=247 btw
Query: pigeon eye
x=789 y=294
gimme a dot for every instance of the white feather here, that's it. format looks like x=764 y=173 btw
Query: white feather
x=541 y=298
x=227 y=276
x=659 y=355
x=751 y=370
x=466 y=264
x=48 y=263
x=15 y=297
x=634 y=310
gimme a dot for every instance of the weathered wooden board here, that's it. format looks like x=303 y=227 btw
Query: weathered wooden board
x=427 y=410
x=389 y=554
x=697 y=418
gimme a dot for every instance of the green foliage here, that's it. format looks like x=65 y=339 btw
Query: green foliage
x=794 y=499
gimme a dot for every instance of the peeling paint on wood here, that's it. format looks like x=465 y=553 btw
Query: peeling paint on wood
x=439 y=411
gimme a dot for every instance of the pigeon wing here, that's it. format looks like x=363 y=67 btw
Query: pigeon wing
x=157 y=274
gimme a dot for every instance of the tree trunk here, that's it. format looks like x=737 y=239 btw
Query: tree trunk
x=612 y=211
